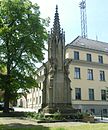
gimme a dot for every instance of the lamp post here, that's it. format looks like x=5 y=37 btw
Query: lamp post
x=101 y=115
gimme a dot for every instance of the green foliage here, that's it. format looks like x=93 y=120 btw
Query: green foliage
x=22 y=36
x=79 y=115
x=34 y=115
x=57 y=116
x=41 y=116
x=59 y=129
x=24 y=127
x=88 y=126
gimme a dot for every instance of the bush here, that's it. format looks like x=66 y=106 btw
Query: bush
x=57 y=116
x=34 y=115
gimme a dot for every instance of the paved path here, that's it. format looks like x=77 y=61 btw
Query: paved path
x=101 y=119
x=18 y=122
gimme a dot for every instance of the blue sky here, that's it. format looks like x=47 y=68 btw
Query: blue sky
x=69 y=13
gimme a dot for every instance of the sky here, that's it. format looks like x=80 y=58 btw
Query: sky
x=69 y=14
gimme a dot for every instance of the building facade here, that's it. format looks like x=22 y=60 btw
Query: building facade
x=89 y=75
x=88 y=72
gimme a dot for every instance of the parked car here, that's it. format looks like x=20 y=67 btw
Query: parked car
x=2 y=107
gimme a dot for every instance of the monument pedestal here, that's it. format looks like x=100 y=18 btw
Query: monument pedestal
x=61 y=108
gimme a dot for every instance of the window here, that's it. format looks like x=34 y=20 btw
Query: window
x=102 y=75
x=36 y=100
x=91 y=94
x=104 y=111
x=36 y=88
x=39 y=99
x=40 y=85
x=100 y=59
x=92 y=111
x=78 y=93
x=89 y=58
x=21 y=103
x=33 y=99
x=103 y=94
x=90 y=74
x=77 y=73
x=40 y=73
x=76 y=55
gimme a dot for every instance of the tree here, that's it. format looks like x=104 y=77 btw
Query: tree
x=22 y=36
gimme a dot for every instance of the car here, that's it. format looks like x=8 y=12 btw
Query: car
x=2 y=107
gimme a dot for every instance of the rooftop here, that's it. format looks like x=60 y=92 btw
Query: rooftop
x=89 y=44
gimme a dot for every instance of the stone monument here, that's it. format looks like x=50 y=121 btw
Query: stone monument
x=56 y=89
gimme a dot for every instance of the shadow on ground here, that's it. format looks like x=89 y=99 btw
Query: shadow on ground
x=18 y=126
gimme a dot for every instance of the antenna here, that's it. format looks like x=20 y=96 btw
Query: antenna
x=82 y=6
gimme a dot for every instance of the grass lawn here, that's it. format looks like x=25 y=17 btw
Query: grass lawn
x=88 y=126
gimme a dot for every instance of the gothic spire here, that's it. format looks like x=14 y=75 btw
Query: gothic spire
x=56 y=26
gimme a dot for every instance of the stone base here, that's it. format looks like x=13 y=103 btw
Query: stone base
x=61 y=108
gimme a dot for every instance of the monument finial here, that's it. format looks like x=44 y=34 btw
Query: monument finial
x=56 y=8
x=56 y=26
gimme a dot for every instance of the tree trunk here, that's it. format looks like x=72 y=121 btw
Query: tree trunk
x=6 y=101
x=7 y=85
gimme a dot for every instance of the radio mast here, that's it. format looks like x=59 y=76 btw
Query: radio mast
x=82 y=6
